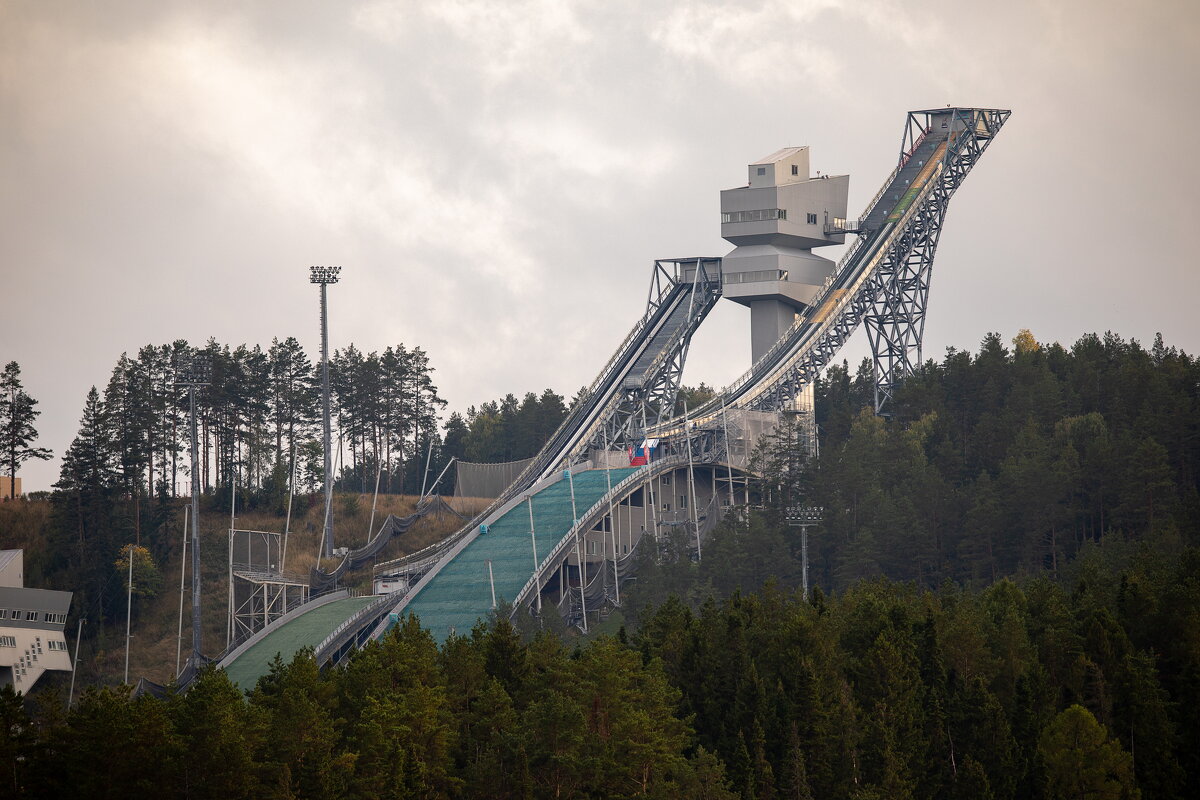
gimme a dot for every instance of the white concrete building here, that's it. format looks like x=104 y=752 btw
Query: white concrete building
x=775 y=221
x=31 y=626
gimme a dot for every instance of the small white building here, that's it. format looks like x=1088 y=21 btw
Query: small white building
x=31 y=626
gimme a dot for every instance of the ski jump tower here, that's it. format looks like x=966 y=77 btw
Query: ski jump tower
x=553 y=521
x=775 y=221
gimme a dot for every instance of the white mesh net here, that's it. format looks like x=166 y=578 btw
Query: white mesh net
x=486 y=480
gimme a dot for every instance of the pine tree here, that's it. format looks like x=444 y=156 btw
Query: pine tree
x=1081 y=761
x=17 y=414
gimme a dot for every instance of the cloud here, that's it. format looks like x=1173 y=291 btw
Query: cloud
x=503 y=41
x=497 y=177
x=755 y=48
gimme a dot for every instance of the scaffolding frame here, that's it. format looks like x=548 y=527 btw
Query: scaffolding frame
x=259 y=593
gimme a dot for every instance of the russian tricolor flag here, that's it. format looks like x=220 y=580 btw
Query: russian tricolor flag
x=640 y=456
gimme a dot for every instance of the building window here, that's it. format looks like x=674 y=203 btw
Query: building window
x=53 y=645
x=812 y=219
x=763 y=170
x=666 y=506
x=795 y=169
x=755 y=215
x=683 y=501
x=31 y=616
x=8 y=641
x=3 y=613
x=755 y=276
x=666 y=479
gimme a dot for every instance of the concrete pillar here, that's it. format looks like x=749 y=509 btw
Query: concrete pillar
x=769 y=319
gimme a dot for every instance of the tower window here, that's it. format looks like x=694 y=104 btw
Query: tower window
x=795 y=169
x=762 y=170
x=756 y=215
x=812 y=219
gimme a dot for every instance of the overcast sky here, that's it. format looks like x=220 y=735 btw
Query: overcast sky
x=496 y=178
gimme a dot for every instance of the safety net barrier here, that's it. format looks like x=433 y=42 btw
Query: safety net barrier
x=392 y=527
x=486 y=480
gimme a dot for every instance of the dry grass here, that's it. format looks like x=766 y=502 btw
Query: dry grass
x=26 y=524
x=155 y=629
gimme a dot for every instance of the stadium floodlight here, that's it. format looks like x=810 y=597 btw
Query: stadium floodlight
x=325 y=276
x=195 y=372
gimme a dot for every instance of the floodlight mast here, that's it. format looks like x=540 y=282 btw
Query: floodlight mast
x=193 y=375
x=324 y=276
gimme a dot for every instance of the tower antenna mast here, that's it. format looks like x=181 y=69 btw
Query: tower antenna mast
x=193 y=375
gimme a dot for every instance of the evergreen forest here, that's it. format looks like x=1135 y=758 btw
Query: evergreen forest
x=258 y=432
x=1006 y=594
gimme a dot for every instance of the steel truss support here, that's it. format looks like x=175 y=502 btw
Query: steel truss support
x=259 y=600
x=896 y=322
x=258 y=592
x=893 y=300
x=648 y=395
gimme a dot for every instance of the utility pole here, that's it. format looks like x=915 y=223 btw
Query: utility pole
x=687 y=431
x=578 y=554
x=536 y=563
x=193 y=375
x=75 y=665
x=129 y=614
x=182 y=575
x=323 y=276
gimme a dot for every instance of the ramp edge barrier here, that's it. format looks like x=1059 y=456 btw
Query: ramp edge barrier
x=472 y=533
x=321 y=653
x=258 y=636
x=632 y=479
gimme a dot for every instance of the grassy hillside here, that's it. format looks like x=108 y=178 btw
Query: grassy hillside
x=26 y=524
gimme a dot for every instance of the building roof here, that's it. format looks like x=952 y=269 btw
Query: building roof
x=25 y=599
x=778 y=155
x=12 y=568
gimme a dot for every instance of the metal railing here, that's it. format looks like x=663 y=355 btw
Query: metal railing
x=568 y=539
x=356 y=620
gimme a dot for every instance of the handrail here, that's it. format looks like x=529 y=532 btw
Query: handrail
x=906 y=157
x=663 y=354
x=235 y=650
x=609 y=368
x=537 y=464
x=366 y=610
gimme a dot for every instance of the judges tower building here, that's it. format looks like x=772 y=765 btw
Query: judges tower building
x=775 y=221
